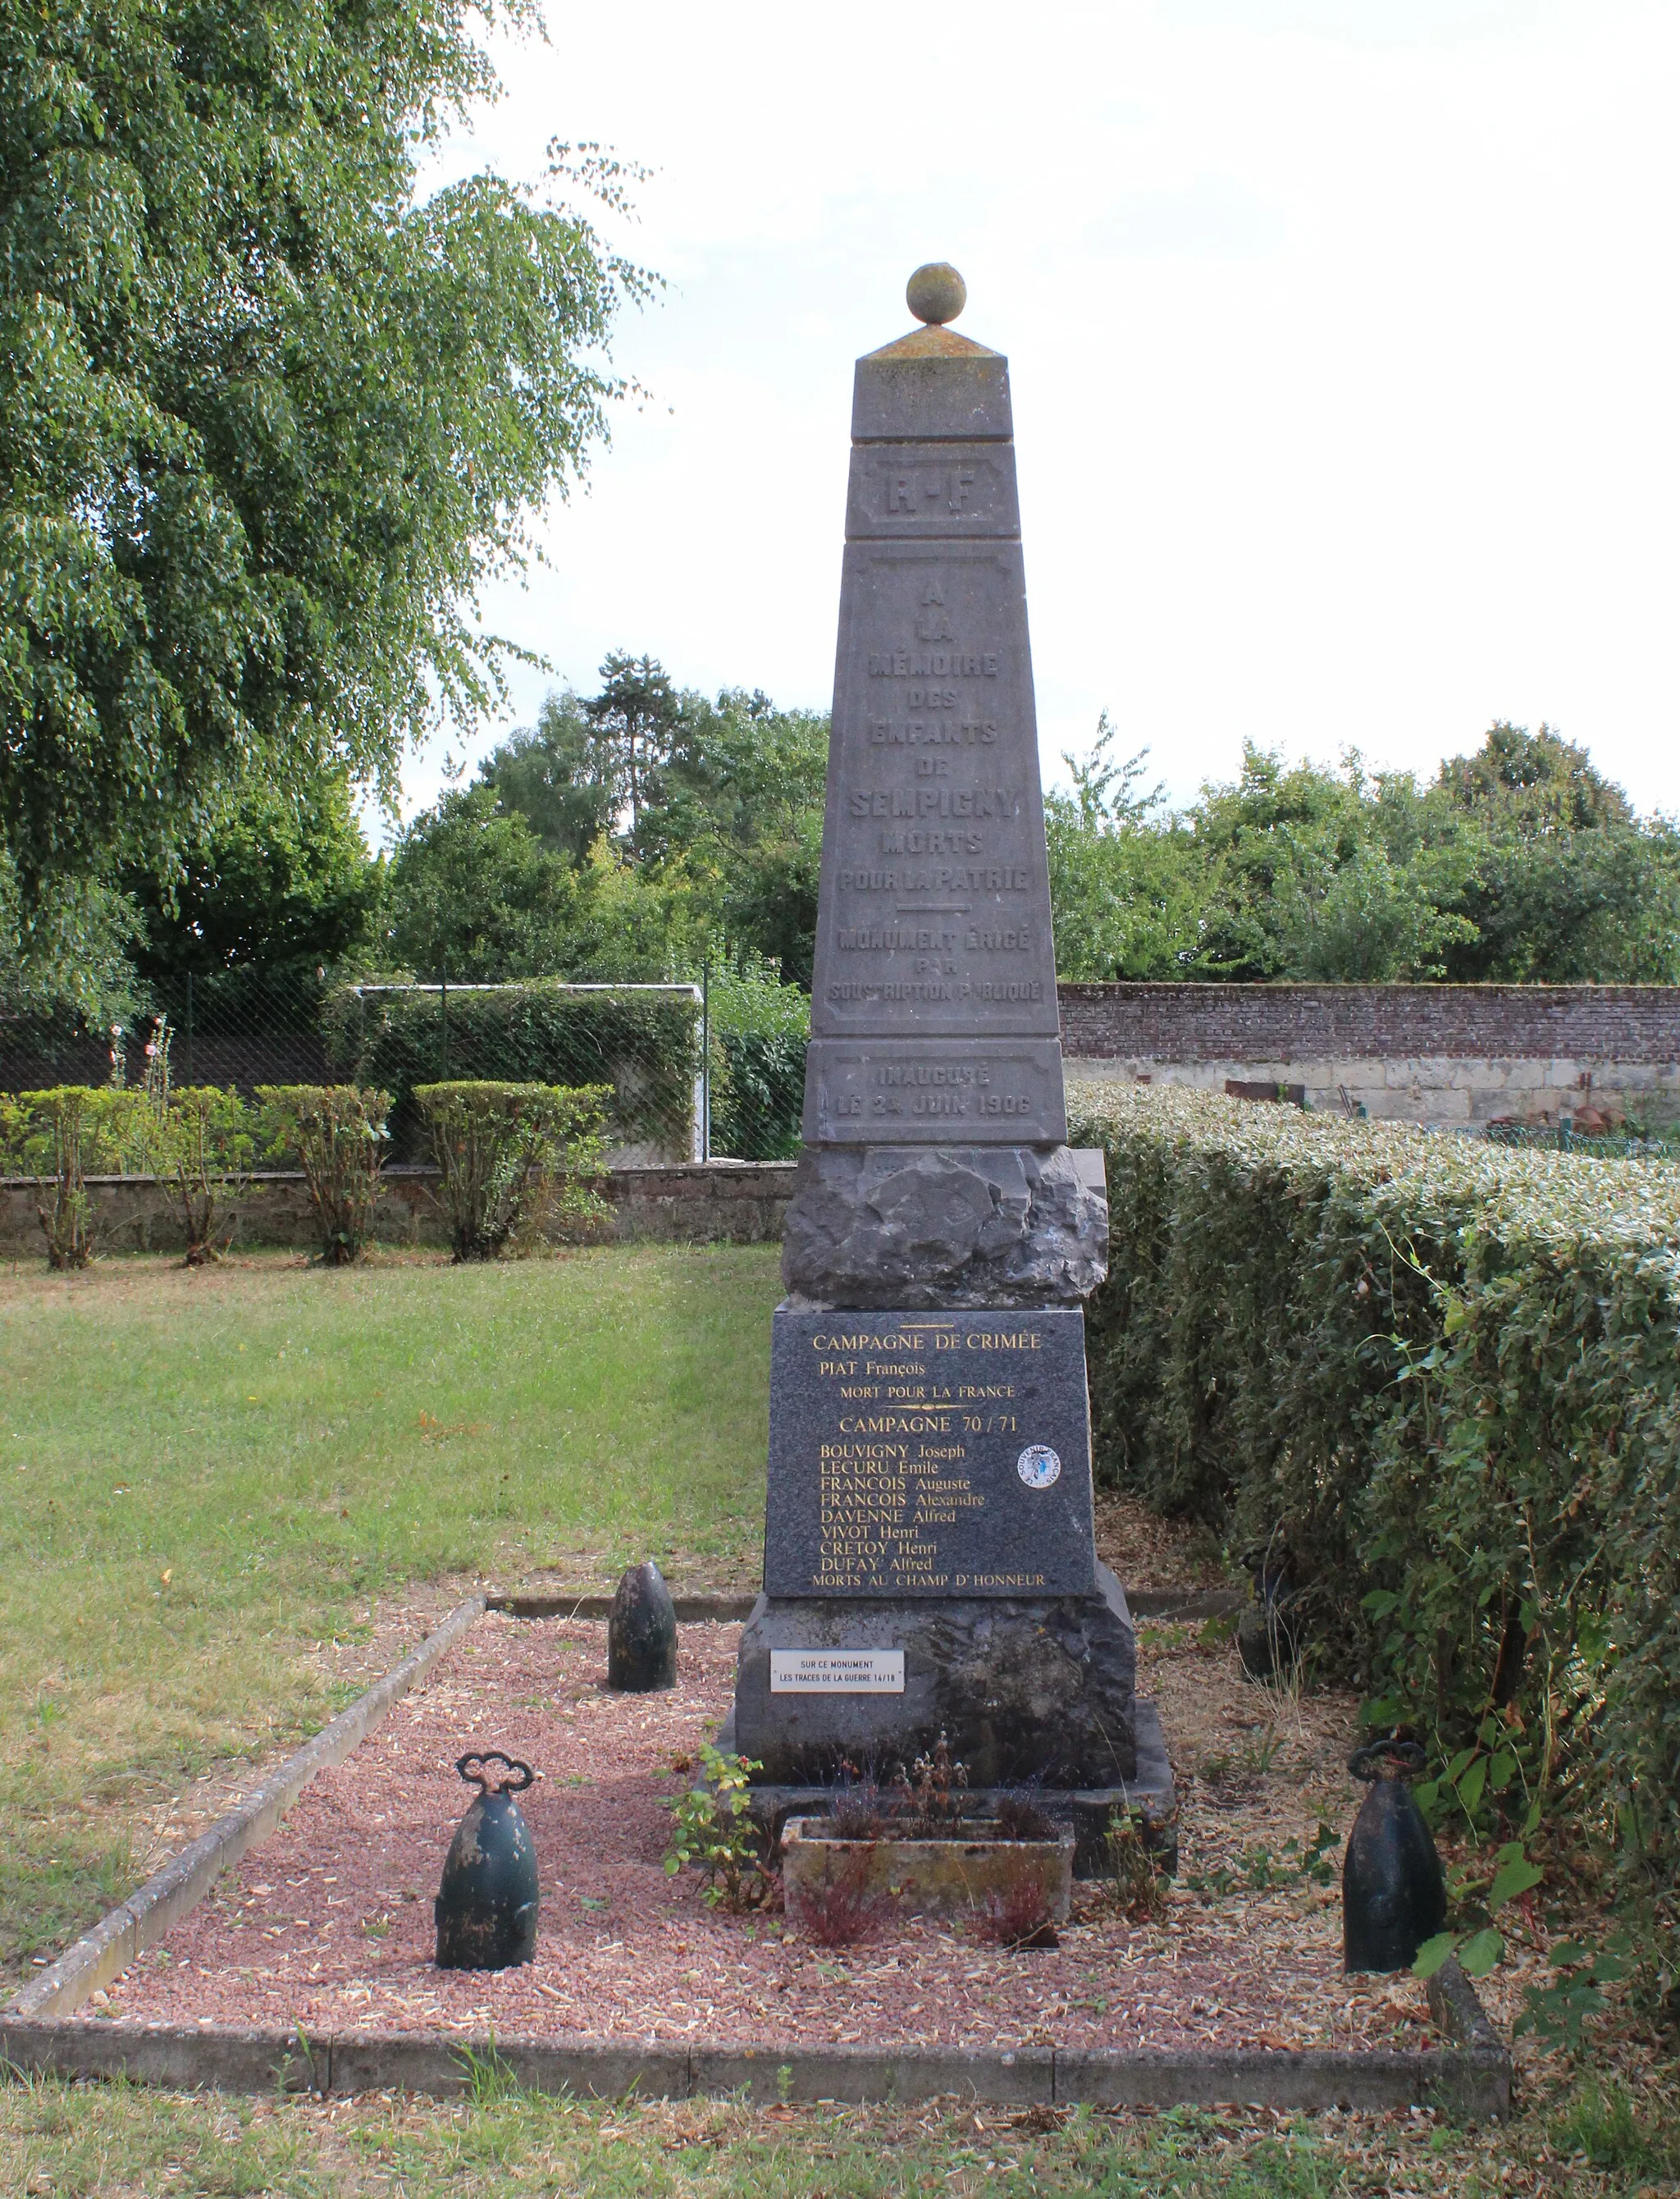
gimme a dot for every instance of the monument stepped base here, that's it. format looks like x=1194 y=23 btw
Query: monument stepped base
x=1026 y=1689
x=1089 y=1810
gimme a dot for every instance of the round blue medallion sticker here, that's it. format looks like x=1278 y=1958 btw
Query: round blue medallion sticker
x=1038 y=1465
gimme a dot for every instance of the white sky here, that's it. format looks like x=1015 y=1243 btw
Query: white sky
x=1343 y=335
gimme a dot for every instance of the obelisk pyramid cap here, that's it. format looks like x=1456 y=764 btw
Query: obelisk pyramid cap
x=933 y=385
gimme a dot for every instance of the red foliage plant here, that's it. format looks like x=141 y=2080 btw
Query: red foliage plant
x=1018 y=1914
x=842 y=1906
x=1018 y=1819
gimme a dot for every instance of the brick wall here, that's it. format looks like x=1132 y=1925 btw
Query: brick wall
x=1208 y=1023
x=1443 y=1054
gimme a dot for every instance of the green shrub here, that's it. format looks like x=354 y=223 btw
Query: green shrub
x=63 y=1136
x=337 y=1133
x=643 y=1046
x=514 y=1159
x=1447 y=1372
x=201 y=1142
x=760 y=1029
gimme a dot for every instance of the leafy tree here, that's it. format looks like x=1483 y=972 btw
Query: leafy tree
x=472 y=893
x=633 y=923
x=768 y=901
x=1367 y=919
x=269 y=417
x=1599 y=906
x=1569 y=885
x=1520 y=863
x=1547 y=783
x=1127 y=891
x=635 y=718
x=66 y=954
x=725 y=832
x=742 y=805
x=559 y=777
x=278 y=882
x=1329 y=875
x=743 y=773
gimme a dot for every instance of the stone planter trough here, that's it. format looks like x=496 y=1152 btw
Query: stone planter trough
x=937 y=1878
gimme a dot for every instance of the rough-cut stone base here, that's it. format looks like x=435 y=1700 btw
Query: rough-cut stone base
x=1089 y=1810
x=1026 y=1689
x=943 y=1227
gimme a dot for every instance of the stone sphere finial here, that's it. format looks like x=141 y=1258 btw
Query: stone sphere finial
x=936 y=292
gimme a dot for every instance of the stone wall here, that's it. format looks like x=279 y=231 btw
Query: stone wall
x=718 y=1203
x=1446 y=1054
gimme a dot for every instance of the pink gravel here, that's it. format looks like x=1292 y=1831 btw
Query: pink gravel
x=329 y=1924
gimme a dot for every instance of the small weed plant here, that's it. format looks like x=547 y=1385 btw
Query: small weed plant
x=929 y=1797
x=1602 y=2127
x=1257 y=1870
x=860 y=1812
x=491 y=2081
x=1136 y=1886
x=714 y=1833
x=1020 y=1818
x=1558 y=2012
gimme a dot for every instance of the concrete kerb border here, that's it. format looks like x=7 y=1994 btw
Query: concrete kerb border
x=155 y=1908
x=1471 y=2079
x=590 y=1603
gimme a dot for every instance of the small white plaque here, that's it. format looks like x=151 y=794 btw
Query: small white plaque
x=837 y=1672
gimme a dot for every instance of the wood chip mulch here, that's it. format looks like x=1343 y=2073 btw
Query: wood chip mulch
x=330 y=1925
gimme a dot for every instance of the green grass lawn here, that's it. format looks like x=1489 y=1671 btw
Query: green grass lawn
x=205 y=1473
x=113 y=2141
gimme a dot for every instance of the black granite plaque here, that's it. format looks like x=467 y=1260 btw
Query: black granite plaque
x=927 y=1454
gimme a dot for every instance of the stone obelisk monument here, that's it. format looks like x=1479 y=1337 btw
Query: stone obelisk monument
x=930 y=1561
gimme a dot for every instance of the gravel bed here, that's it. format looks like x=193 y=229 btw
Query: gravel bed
x=329 y=1926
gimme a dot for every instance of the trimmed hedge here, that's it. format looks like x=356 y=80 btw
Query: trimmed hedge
x=760 y=1029
x=515 y=1159
x=644 y=1046
x=1445 y=1374
x=337 y=1135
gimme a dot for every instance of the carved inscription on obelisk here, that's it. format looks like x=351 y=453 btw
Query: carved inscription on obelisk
x=933 y=1008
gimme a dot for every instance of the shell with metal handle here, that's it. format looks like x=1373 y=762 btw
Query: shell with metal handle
x=1393 y=1894
x=486 y=1906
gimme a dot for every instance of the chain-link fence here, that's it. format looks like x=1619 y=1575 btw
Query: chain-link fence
x=695 y=1071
